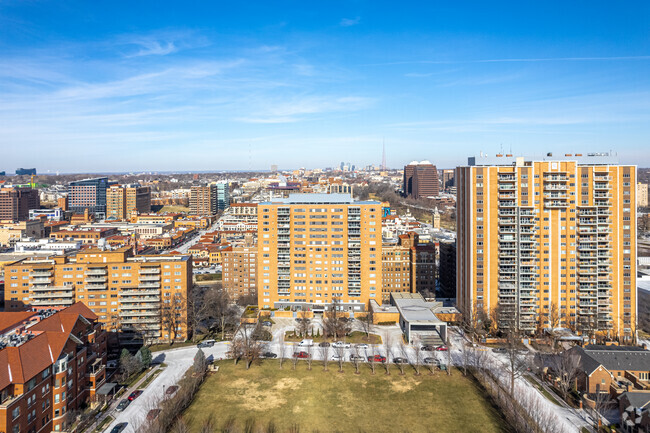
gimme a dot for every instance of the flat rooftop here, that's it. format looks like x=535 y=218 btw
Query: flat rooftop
x=595 y=158
x=413 y=308
x=318 y=198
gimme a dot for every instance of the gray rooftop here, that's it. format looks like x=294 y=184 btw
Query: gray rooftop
x=414 y=308
x=615 y=358
x=638 y=399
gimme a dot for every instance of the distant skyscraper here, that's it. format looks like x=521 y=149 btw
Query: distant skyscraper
x=88 y=194
x=16 y=202
x=223 y=196
x=342 y=165
x=421 y=180
x=25 y=171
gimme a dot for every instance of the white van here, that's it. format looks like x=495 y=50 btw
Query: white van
x=306 y=343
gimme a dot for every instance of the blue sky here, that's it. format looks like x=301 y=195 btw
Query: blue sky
x=152 y=85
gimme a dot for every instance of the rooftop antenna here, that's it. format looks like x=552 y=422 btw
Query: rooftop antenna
x=383 y=155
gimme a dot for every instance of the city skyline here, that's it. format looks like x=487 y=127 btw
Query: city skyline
x=95 y=88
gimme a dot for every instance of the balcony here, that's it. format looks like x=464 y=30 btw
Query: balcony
x=503 y=212
x=507 y=187
x=136 y=313
x=142 y=301
x=555 y=187
x=507 y=178
x=527 y=221
x=95 y=279
x=148 y=285
x=506 y=196
x=555 y=195
x=602 y=178
x=95 y=271
x=95 y=286
x=52 y=302
x=138 y=292
x=41 y=280
x=507 y=203
x=149 y=271
x=555 y=204
x=143 y=320
x=507 y=221
x=507 y=230
x=41 y=273
x=548 y=177
x=146 y=278
x=53 y=294
x=598 y=186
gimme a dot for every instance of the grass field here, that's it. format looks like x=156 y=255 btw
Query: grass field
x=355 y=337
x=329 y=401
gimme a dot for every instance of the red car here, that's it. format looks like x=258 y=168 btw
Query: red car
x=377 y=358
x=301 y=355
x=135 y=394
x=441 y=348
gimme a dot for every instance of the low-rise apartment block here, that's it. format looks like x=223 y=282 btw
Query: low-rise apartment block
x=142 y=297
x=49 y=365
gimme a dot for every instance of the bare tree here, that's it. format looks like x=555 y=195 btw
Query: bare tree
x=310 y=350
x=417 y=348
x=171 y=314
x=196 y=310
x=219 y=309
x=294 y=359
x=388 y=349
x=515 y=363
x=303 y=326
x=404 y=354
x=448 y=352
x=356 y=359
x=325 y=354
x=465 y=354
x=566 y=367
x=282 y=350
x=371 y=359
x=340 y=353
x=367 y=323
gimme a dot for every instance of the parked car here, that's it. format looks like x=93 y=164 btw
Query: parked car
x=269 y=355
x=111 y=364
x=441 y=348
x=340 y=344
x=362 y=346
x=119 y=427
x=400 y=360
x=266 y=323
x=337 y=357
x=377 y=358
x=135 y=394
x=431 y=361
x=306 y=342
x=499 y=350
x=324 y=344
x=153 y=414
x=301 y=355
x=122 y=405
x=171 y=389
x=356 y=358
x=427 y=348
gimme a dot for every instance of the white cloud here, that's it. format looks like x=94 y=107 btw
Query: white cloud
x=348 y=22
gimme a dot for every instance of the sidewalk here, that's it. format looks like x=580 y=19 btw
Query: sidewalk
x=111 y=406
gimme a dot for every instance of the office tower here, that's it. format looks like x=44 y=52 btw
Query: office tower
x=16 y=202
x=25 y=171
x=421 y=180
x=53 y=364
x=143 y=297
x=203 y=200
x=122 y=200
x=223 y=196
x=318 y=249
x=88 y=194
x=642 y=194
x=239 y=264
x=549 y=242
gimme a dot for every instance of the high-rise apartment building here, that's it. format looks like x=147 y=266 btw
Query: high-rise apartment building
x=88 y=194
x=203 y=200
x=421 y=180
x=318 y=249
x=544 y=240
x=143 y=297
x=16 y=202
x=642 y=194
x=122 y=200
x=239 y=265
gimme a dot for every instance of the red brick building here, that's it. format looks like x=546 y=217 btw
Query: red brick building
x=49 y=366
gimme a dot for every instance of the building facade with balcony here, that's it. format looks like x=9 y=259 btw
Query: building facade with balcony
x=50 y=366
x=142 y=297
x=316 y=250
x=549 y=236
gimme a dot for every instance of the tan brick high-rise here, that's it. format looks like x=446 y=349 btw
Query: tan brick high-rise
x=314 y=249
x=545 y=235
x=141 y=296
